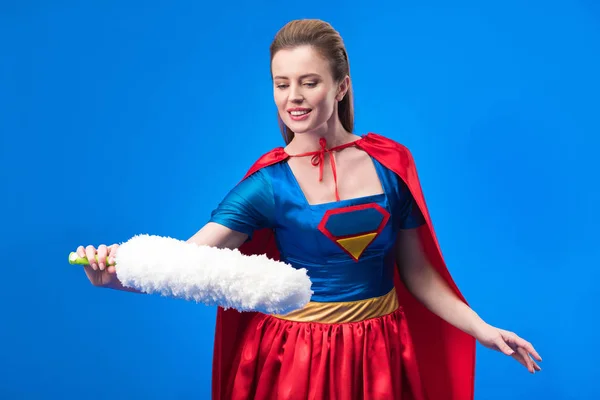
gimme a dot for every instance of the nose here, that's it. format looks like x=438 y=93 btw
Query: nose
x=296 y=94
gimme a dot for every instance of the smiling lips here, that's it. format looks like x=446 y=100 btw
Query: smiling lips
x=299 y=114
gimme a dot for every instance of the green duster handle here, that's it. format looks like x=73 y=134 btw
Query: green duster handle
x=74 y=259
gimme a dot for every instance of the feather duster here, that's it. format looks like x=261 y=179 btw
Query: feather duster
x=209 y=275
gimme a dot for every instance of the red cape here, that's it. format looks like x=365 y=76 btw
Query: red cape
x=446 y=355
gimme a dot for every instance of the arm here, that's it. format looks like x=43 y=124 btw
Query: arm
x=423 y=282
x=419 y=277
x=247 y=207
x=217 y=235
x=211 y=234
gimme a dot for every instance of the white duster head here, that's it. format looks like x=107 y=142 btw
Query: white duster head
x=212 y=276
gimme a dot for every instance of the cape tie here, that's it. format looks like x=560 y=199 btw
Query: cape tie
x=318 y=159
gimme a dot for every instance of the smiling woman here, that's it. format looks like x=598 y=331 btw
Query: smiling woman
x=310 y=54
x=305 y=100
x=386 y=320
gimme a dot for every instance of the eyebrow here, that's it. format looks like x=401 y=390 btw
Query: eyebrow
x=301 y=77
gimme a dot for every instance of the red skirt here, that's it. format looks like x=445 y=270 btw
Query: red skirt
x=371 y=359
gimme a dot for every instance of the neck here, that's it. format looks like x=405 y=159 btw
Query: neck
x=332 y=131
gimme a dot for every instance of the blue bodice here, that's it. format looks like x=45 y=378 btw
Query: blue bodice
x=346 y=246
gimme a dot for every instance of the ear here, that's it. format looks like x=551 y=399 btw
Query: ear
x=343 y=88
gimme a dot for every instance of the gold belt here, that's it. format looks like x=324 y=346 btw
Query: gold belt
x=344 y=311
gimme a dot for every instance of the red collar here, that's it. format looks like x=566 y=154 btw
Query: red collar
x=318 y=159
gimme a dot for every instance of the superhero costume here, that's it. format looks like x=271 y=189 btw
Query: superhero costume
x=362 y=335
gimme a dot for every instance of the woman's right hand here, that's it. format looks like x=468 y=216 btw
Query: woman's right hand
x=99 y=272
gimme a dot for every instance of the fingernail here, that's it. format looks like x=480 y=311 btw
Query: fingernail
x=101 y=266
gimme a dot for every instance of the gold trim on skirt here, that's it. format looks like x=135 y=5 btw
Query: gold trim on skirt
x=344 y=311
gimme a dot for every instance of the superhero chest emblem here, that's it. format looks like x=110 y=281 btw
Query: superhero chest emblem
x=354 y=228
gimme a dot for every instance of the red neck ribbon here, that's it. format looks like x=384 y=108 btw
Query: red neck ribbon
x=318 y=159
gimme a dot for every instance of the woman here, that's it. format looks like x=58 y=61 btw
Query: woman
x=386 y=321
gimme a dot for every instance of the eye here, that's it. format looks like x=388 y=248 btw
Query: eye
x=310 y=84
x=281 y=86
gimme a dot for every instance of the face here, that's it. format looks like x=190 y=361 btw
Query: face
x=305 y=92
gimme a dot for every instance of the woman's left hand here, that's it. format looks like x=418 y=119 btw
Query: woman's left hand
x=510 y=344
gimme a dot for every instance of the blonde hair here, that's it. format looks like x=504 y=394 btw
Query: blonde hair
x=328 y=42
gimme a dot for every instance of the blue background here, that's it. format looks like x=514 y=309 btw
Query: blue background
x=119 y=118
